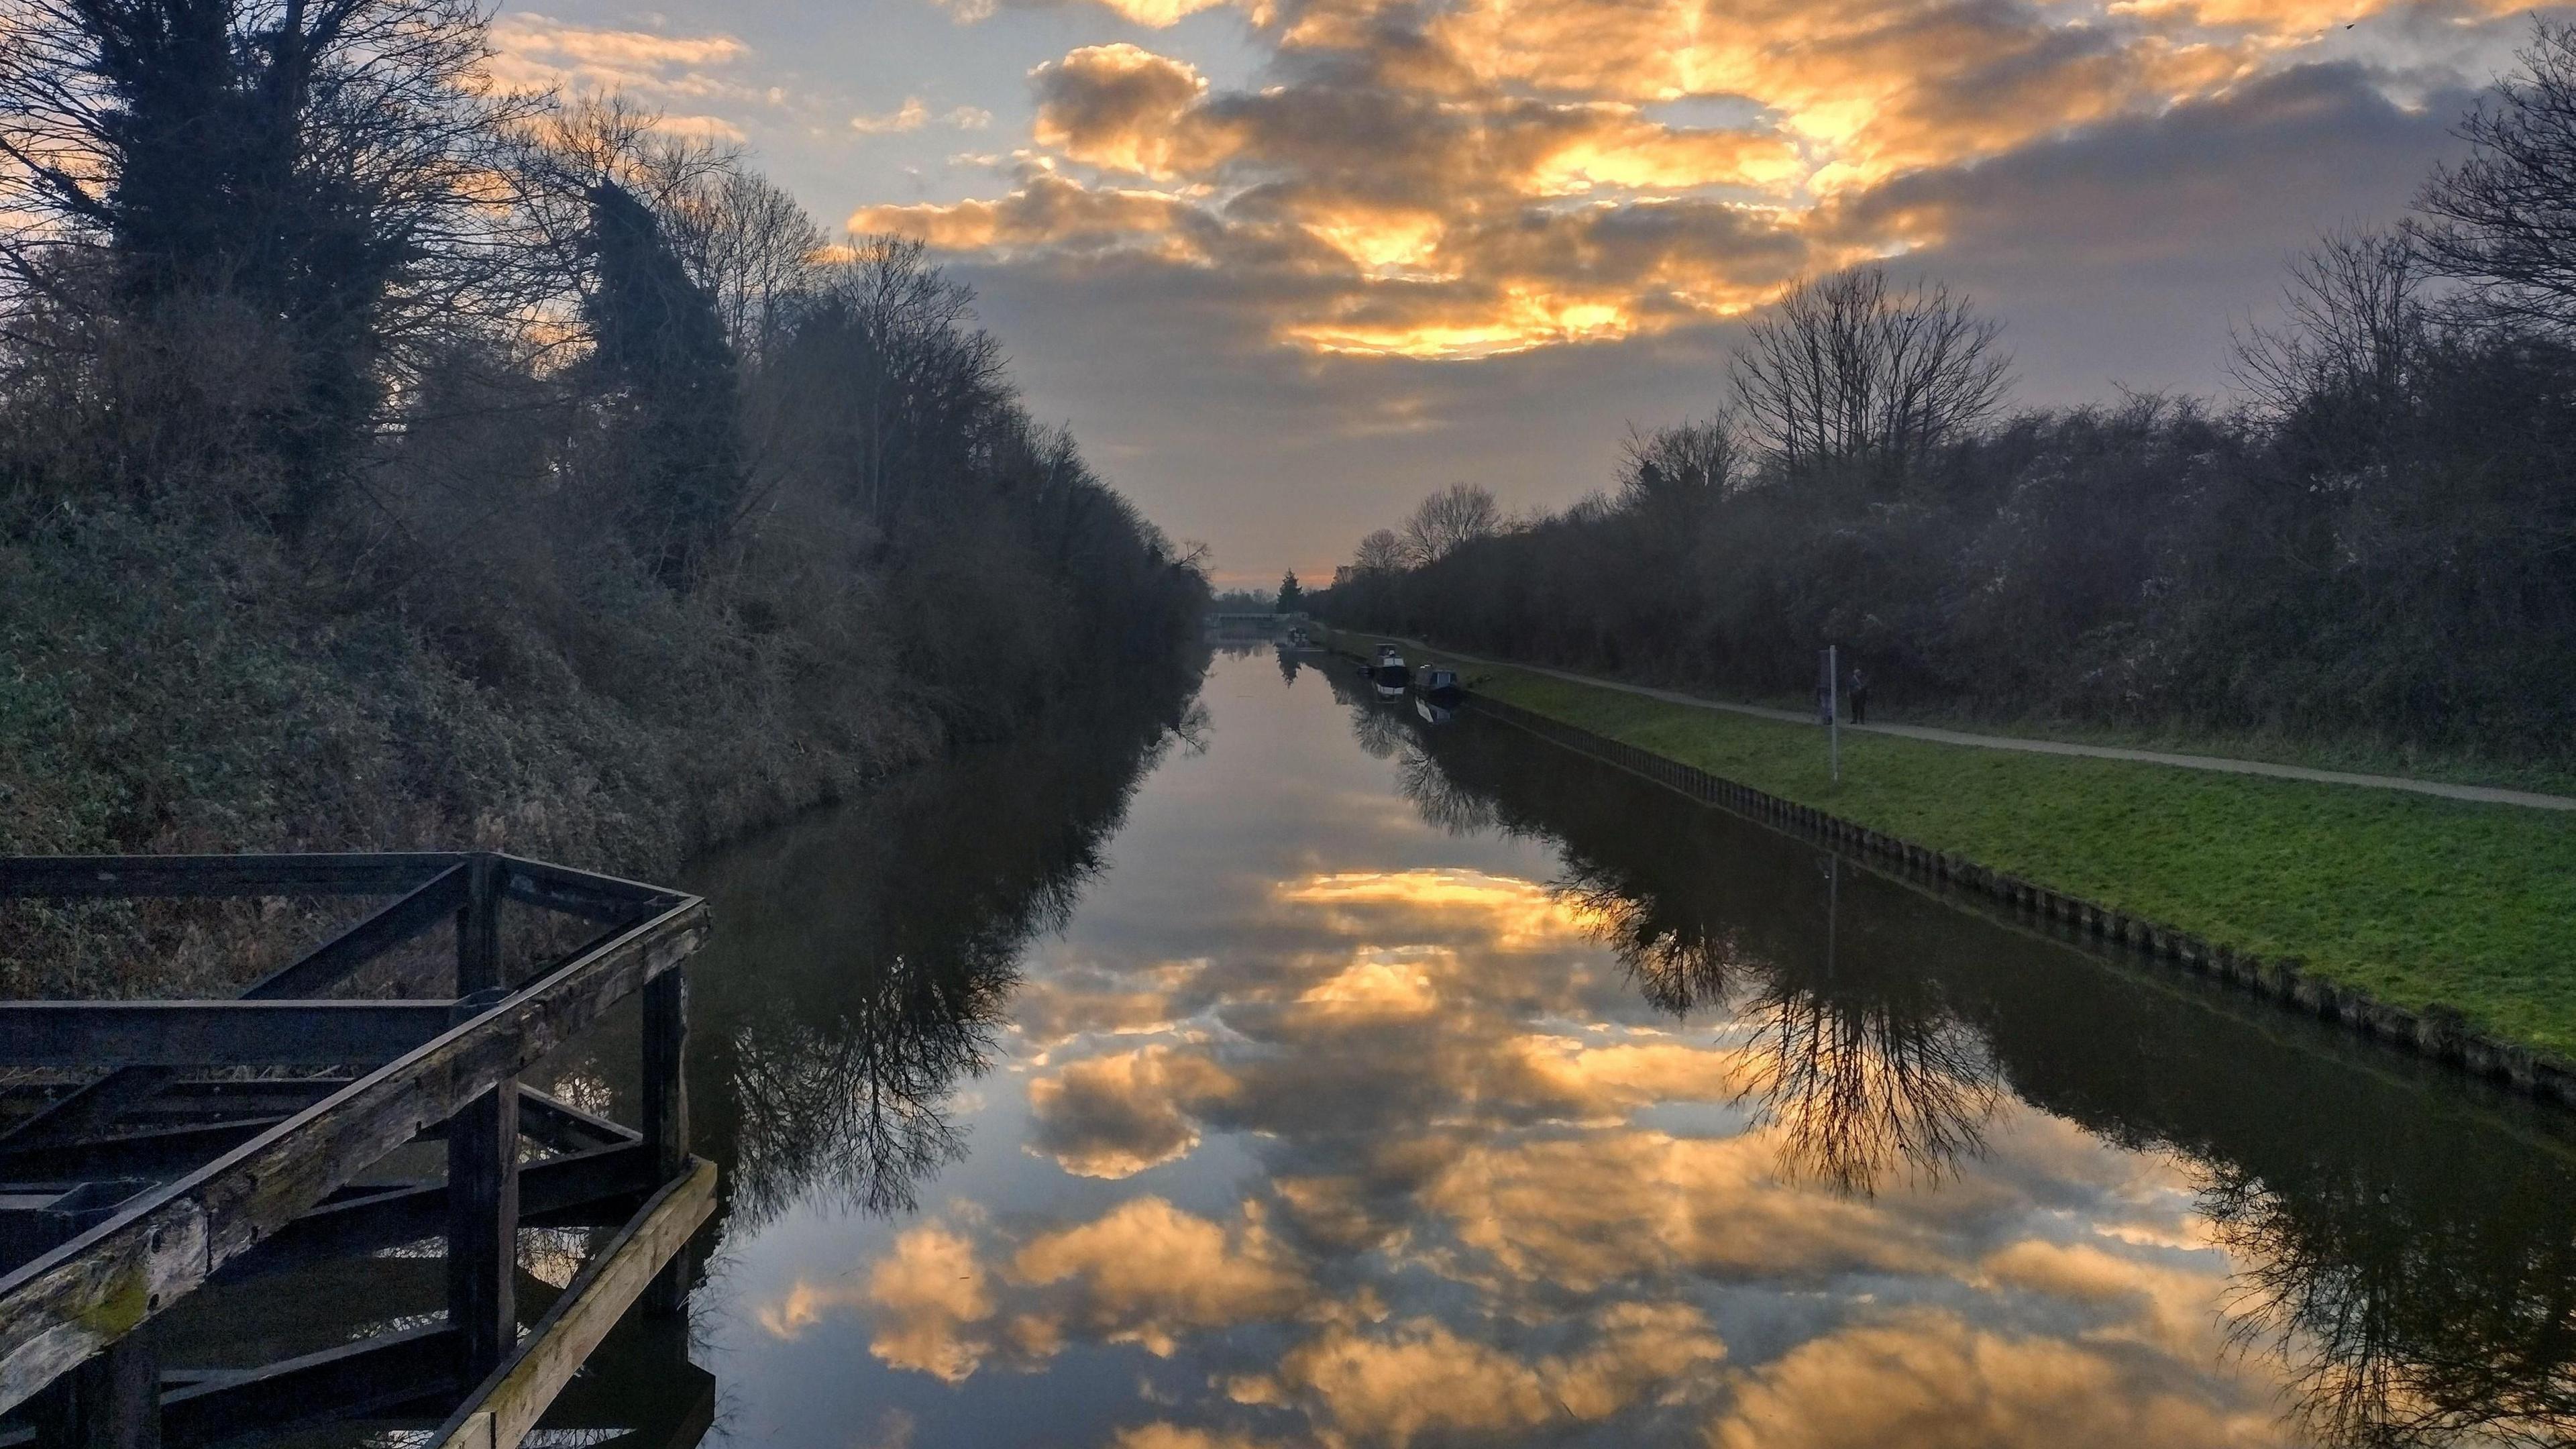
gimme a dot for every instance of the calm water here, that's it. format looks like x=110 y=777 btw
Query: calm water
x=1306 y=1076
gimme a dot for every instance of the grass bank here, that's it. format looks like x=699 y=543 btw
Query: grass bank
x=2419 y=901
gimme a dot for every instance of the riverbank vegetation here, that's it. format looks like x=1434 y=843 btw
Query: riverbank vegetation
x=2365 y=550
x=390 y=459
x=2421 y=902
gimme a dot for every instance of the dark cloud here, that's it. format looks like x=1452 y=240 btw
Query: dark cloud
x=2125 y=252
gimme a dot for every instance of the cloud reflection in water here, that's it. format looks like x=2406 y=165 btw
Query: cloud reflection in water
x=1563 y=1115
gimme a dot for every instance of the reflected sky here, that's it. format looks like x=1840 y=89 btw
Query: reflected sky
x=1286 y=1073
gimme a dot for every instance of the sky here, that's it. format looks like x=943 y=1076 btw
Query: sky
x=1286 y=266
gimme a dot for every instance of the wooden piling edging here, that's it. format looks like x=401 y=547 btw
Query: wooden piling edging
x=2435 y=1033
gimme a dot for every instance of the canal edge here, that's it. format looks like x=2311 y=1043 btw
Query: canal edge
x=2436 y=1034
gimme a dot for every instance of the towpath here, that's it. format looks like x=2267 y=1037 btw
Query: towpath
x=2486 y=793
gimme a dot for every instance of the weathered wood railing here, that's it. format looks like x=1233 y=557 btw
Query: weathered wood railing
x=121 y=1197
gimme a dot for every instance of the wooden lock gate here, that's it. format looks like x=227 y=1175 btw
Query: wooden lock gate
x=226 y=1141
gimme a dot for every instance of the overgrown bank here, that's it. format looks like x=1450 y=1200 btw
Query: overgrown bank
x=391 y=459
x=2419 y=902
x=164 y=688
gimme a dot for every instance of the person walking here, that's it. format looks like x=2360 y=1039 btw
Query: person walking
x=1859 y=697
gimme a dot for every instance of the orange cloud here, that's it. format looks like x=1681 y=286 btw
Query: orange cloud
x=1583 y=1212
x=537 y=51
x=1404 y=181
x=1390 y=1387
x=1494 y=912
x=1126 y=109
x=929 y=1297
x=1049 y=213
x=1115 y=1116
x=1149 y=1273
x=1929 y=1379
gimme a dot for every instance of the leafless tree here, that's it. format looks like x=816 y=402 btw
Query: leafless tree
x=2504 y=220
x=1448 y=520
x=2353 y=321
x=752 y=247
x=742 y=237
x=888 y=339
x=1676 y=472
x=1850 y=369
x=1381 y=552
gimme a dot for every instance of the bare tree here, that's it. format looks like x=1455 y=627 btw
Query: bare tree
x=2353 y=322
x=1382 y=552
x=1852 y=370
x=890 y=373
x=1448 y=520
x=751 y=246
x=1676 y=472
x=741 y=235
x=2505 y=218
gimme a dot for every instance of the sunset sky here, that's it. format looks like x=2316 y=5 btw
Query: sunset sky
x=1287 y=265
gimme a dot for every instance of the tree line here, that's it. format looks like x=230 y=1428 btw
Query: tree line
x=298 y=263
x=2371 y=540
x=386 y=454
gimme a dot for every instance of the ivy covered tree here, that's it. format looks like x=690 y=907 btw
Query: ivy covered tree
x=668 y=373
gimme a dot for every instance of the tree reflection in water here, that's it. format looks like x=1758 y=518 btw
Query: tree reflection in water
x=2404 y=1243
x=855 y=1107
x=2401 y=1324
x=866 y=959
x=1861 y=1069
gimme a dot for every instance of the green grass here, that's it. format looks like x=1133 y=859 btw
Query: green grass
x=2419 y=901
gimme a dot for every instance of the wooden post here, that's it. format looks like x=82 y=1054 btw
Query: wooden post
x=483 y=1228
x=482 y=1156
x=478 y=927
x=112 y=1401
x=666 y=1113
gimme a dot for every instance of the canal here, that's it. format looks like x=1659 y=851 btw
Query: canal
x=1292 y=1072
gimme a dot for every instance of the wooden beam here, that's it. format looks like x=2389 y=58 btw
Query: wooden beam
x=315 y=973
x=58 y=1310
x=364 y=1222
x=113 y=1401
x=161 y=1152
x=322 y=969
x=666 y=1112
x=352 y=874
x=478 y=928
x=389 y=1371
x=566 y=1128
x=215 y=1033
x=506 y=1405
x=578 y=892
